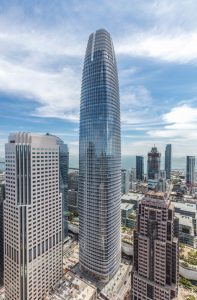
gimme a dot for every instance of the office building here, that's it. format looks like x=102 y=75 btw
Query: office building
x=153 y=163
x=2 y=198
x=125 y=181
x=73 y=201
x=32 y=216
x=63 y=179
x=100 y=161
x=168 y=160
x=187 y=215
x=156 y=262
x=190 y=170
x=139 y=167
x=73 y=179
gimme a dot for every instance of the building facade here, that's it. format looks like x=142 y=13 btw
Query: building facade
x=156 y=262
x=63 y=179
x=139 y=167
x=125 y=181
x=100 y=160
x=190 y=170
x=2 y=198
x=168 y=161
x=32 y=216
x=153 y=163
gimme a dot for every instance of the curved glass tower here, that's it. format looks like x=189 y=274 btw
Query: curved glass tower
x=100 y=160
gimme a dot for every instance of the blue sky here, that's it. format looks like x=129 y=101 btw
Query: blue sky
x=42 y=46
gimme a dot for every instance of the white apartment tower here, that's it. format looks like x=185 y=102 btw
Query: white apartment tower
x=32 y=216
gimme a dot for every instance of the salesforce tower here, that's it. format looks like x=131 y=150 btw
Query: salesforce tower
x=100 y=160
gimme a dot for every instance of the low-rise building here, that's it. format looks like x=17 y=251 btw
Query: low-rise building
x=71 y=287
x=187 y=215
x=126 y=215
x=132 y=198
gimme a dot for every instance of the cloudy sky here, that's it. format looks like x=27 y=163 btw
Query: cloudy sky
x=42 y=46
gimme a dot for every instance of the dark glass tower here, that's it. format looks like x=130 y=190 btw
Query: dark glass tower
x=100 y=160
x=63 y=180
x=168 y=154
x=153 y=164
x=139 y=167
x=190 y=170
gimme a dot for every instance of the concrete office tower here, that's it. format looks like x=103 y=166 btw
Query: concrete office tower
x=63 y=179
x=139 y=167
x=168 y=160
x=156 y=263
x=2 y=198
x=190 y=170
x=100 y=160
x=32 y=216
x=153 y=163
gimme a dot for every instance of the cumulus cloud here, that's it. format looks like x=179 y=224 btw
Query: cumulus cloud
x=181 y=121
x=178 y=47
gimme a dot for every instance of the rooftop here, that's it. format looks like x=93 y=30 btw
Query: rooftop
x=127 y=206
x=72 y=287
x=132 y=196
x=185 y=206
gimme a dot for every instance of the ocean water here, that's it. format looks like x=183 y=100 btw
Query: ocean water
x=128 y=162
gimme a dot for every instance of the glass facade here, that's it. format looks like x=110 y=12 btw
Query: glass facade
x=168 y=154
x=63 y=180
x=100 y=160
x=139 y=167
x=190 y=170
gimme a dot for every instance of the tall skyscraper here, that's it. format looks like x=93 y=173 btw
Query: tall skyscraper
x=168 y=160
x=63 y=179
x=100 y=160
x=32 y=216
x=139 y=167
x=190 y=170
x=125 y=181
x=2 y=198
x=156 y=262
x=153 y=164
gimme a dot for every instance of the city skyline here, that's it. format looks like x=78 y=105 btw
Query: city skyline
x=157 y=74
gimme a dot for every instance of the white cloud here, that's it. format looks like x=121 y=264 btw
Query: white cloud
x=179 y=47
x=180 y=129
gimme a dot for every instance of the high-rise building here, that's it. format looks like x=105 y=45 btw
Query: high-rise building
x=153 y=164
x=2 y=198
x=73 y=179
x=139 y=167
x=190 y=170
x=32 y=216
x=125 y=181
x=100 y=160
x=63 y=179
x=156 y=262
x=168 y=160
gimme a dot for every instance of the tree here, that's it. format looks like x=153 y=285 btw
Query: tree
x=191 y=297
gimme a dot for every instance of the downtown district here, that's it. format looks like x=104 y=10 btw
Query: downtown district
x=98 y=232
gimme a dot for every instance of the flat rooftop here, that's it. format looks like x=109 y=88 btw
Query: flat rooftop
x=184 y=220
x=72 y=287
x=191 y=207
x=127 y=206
x=132 y=196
